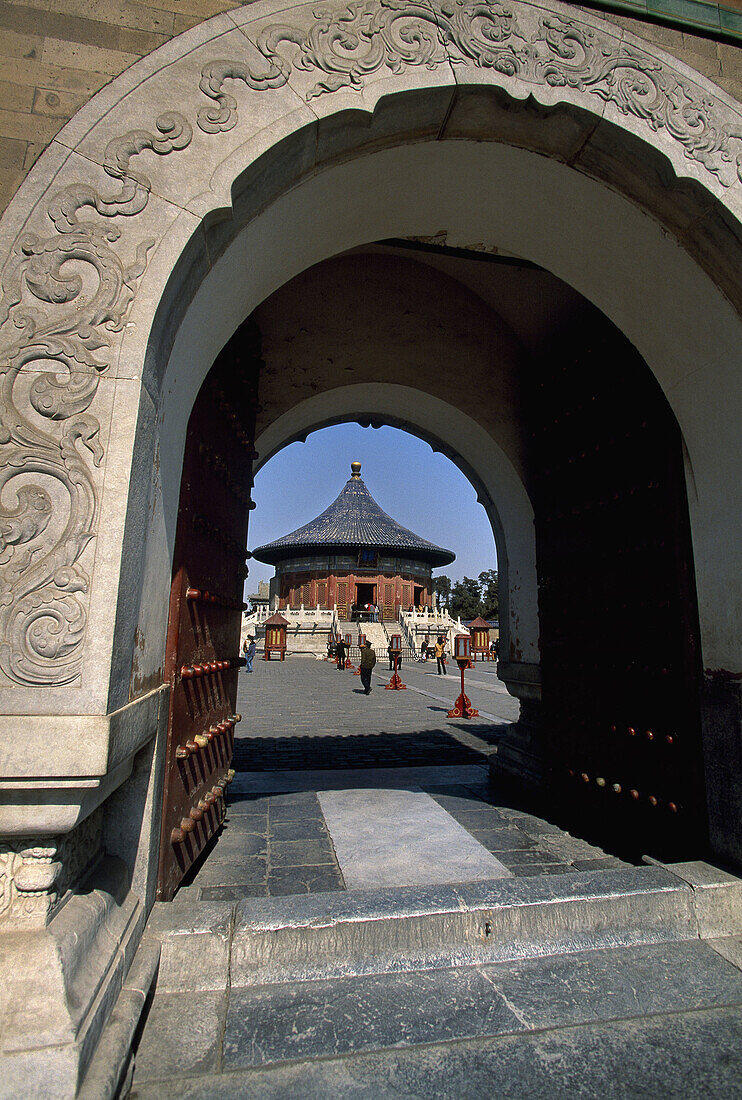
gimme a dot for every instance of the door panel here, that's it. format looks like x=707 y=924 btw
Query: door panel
x=202 y=659
x=619 y=629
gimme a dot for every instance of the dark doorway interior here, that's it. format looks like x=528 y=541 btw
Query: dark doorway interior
x=365 y=593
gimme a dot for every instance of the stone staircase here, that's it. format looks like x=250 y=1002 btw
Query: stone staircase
x=307 y=637
x=625 y=982
x=375 y=632
x=377 y=636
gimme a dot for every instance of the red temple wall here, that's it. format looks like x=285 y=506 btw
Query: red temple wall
x=326 y=589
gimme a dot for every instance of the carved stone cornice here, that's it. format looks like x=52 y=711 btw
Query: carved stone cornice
x=348 y=43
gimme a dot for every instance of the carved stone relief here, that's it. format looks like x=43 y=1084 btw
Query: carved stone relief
x=46 y=320
x=60 y=335
x=348 y=43
x=35 y=874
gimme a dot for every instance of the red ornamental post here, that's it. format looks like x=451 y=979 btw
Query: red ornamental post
x=395 y=684
x=462 y=708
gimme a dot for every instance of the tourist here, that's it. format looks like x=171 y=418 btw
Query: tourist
x=368 y=660
x=424 y=647
x=340 y=654
x=391 y=657
x=249 y=652
x=440 y=656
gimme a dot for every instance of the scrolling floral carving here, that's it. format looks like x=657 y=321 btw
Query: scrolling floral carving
x=46 y=523
x=347 y=44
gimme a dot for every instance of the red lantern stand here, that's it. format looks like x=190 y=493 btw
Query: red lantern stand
x=395 y=684
x=361 y=644
x=462 y=708
x=347 y=651
x=480 y=639
x=275 y=636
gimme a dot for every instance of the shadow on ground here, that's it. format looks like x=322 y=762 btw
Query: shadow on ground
x=438 y=747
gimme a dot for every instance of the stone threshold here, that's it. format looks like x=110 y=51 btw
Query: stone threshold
x=212 y=945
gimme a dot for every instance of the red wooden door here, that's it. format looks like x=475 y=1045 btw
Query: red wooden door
x=202 y=659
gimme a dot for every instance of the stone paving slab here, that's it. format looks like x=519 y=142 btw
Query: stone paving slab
x=310 y=721
x=344 y=1015
x=683 y=1055
x=402 y=838
x=183 y=1035
x=285 y=831
x=249 y=786
x=658 y=998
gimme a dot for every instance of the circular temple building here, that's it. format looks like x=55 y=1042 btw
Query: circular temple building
x=353 y=554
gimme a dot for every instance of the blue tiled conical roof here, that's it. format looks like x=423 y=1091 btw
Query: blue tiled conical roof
x=353 y=521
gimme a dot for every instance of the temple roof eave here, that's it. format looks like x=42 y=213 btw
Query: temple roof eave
x=354 y=521
x=274 y=555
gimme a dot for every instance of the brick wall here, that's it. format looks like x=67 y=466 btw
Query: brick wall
x=720 y=61
x=55 y=54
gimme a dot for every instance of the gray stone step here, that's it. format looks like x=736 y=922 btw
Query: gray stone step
x=418 y=928
x=206 y=945
x=314 y=1036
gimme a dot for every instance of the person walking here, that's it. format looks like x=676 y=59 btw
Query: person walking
x=340 y=654
x=250 y=653
x=368 y=660
x=424 y=647
x=440 y=656
x=391 y=657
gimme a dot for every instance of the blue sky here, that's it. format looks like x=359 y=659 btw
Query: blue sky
x=422 y=490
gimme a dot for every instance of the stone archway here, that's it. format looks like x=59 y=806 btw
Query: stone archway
x=257 y=144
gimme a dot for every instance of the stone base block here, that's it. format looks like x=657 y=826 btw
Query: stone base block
x=717 y=898
x=59 y=985
x=520 y=755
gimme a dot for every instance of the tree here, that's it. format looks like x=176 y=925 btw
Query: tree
x=465 y=602
x=442 y=588
x=489 y=584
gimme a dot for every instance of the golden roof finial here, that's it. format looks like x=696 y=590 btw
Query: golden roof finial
x=355 y=469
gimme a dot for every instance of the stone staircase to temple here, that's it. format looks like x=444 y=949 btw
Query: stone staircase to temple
x=375 y=632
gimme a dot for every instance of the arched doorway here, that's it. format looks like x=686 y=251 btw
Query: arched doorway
x=146 y=235
x=591 y=441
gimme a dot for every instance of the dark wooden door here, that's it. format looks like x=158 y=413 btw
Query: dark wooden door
x=202 y=658
x=619 y=625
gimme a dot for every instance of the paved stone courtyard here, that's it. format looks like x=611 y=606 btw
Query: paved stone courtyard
x=570 y=974
x=307 y=727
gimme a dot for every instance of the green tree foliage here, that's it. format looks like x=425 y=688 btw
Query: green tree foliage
x=466 y=599
x=469 y=598
x=442 y=588
x=489 y=586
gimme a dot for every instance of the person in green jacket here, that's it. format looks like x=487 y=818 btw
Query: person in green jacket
x=368 y=660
